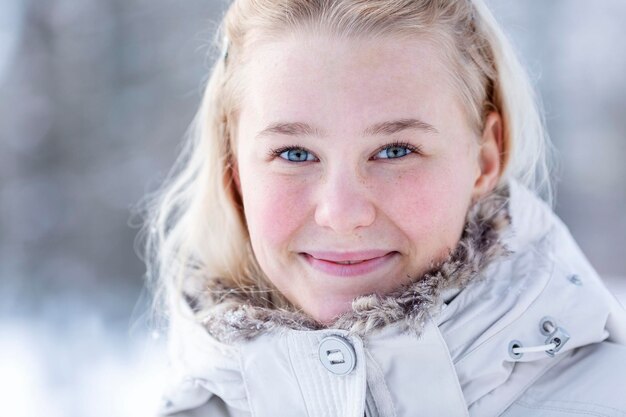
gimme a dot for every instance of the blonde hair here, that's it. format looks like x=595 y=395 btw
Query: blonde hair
x=195 y=230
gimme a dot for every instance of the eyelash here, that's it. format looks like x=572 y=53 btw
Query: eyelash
x=273 y=153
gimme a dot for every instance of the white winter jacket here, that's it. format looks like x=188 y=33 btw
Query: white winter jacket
x=523 y=326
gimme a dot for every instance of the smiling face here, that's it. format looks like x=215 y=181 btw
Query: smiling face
x=357 y=165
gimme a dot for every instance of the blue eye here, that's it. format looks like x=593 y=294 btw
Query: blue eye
x=296 y=155
x=394 y=151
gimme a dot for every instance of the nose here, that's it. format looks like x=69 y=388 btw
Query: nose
x=344 y=202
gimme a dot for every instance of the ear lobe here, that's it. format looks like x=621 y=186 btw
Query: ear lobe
x=489 y=155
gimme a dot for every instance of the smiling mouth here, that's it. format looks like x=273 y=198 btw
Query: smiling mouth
x=349 y=267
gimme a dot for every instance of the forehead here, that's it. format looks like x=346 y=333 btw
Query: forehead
x=344 y=82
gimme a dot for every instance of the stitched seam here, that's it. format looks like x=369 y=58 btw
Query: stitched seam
x=359 y=391
x=245 y=382
x=556 y=402
x=313 y=377
x=202 y=382
x=293 y=369
x=371 y=409
x=384 y=383
x=564 y=410
x=533 y=380
x=569 y=354
x=450 y=364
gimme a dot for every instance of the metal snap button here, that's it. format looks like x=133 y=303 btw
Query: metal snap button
x=337 y=355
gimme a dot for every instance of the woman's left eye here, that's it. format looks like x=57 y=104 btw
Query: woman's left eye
x=395 y=150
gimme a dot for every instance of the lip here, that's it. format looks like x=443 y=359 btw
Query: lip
x=326 y=262
x=348 y=256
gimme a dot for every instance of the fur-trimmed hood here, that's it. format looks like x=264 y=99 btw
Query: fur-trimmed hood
x=447 y=344
x=230 y=314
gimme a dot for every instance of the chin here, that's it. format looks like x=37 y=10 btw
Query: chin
x=327 y=311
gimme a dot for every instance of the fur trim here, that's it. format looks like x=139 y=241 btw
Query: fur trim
x=239 y=315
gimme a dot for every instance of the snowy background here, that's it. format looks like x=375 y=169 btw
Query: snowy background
x=94 y=99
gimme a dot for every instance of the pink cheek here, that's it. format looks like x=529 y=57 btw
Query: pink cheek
x=419 y=207
x=275 y=210
x=425 y=206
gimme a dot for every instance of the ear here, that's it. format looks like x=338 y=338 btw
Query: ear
x=231 y=180
x=234 y=168
x=489 y=156
x=233 y=185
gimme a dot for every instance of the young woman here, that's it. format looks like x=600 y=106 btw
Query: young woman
x=354 y=228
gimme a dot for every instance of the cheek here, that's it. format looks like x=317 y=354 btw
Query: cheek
x=275 y=208
x=430 y=204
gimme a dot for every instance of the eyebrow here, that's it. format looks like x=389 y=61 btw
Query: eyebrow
x=386 y=128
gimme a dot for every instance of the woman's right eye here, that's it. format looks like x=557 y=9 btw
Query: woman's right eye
x=295 y=155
